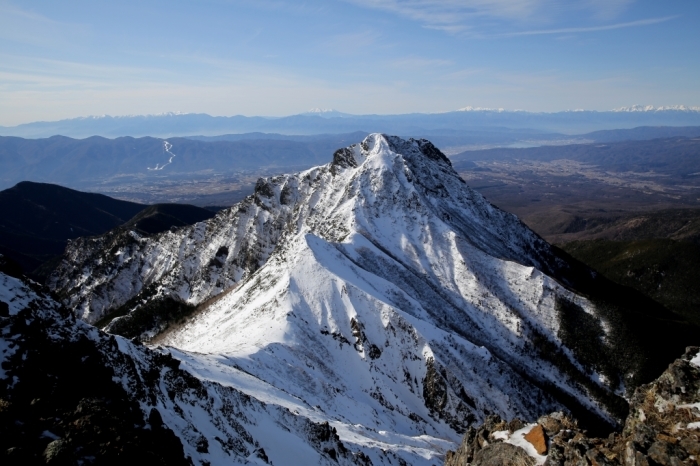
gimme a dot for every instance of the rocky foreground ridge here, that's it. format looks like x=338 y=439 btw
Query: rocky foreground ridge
x=663 y=428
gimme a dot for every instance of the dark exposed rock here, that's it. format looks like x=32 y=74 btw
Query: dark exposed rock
x=286 y=195
x=502 y=454
x=434 y=388
x=517 y=424
x=475 y=440
x=691 y=445
x=144 y=320
x=666 y=453
x=427 y=148
x=263 y=188
x=55 y=451
x=326 y=439
x=343 y=158
x=374 y=351
x=552 y=423
x=597 y=458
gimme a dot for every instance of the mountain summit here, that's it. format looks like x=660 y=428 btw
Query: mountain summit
x=380 y=294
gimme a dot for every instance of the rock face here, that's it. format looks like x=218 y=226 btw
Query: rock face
x=663 y=428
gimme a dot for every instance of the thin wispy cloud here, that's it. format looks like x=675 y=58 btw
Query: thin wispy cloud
x=450 y=11
x=606 y=10
x=608 y=27
x=27 y=27
x=455 y=16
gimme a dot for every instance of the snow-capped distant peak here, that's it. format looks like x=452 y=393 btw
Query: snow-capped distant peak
x=149 y=115
x=651 y=108
x=325 y=113
x=321 y=110
x=481 y=109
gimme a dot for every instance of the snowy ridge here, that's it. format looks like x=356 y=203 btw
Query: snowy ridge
x=630 y=109
x=18 y=293
x=326 y=113
x=651 y=108
x=377 y=293
x=148 y=115
x=469 y=108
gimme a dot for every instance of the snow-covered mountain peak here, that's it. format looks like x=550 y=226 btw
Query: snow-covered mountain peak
x=377 y=290
x=417 y=160
x=326 y=113
x=390 y=188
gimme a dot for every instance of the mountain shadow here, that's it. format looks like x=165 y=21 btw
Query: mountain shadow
x=39 y=219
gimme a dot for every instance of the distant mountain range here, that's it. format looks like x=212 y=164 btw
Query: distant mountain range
x=73 y=162
x=78 y=163
x=319 y=122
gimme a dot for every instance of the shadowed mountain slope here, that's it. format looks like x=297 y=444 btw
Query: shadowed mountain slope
x=37 y=220
x=161 y=217
x=675 y=224
x=664 y=269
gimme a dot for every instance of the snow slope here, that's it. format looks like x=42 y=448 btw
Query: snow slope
x=215 y=423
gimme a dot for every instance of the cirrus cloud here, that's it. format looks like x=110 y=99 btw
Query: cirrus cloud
x=460 y=15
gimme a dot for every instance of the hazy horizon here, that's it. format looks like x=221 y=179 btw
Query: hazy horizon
x=332 y=113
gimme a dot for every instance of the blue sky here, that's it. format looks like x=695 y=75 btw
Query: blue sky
x=269 y=57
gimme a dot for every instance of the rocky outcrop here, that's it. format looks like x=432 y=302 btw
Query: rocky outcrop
x=663 y=428
x=503 y=454
x=664 y=422
x=504 y=439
